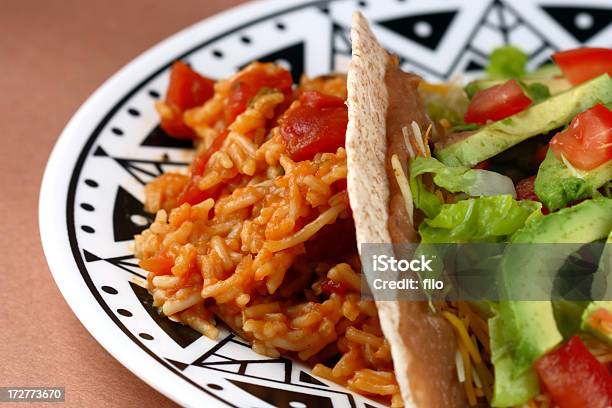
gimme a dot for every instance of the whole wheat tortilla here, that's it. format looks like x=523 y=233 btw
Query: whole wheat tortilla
x=369 y=192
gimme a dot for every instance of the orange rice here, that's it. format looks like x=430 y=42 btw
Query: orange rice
x=246 y=258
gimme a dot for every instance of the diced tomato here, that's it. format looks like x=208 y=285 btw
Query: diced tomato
x=158 y=265
x=574 y=378
x=581 y=64
x=191 y=193
x=541 y=153
x=186 y=90
x=525 y=191
x=316 y=125
x=497 y=102
x=248 y=83
x=587 y=142
x=329 y=287
x=483 y=165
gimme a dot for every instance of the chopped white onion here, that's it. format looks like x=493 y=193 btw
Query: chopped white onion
x=490 y=183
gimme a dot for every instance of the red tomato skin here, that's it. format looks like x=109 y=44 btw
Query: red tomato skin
x=158 y=265
x=582 y=64
x=496 y=103
x=525 y=191
x=246 y=85
x=186 y=90
x=329 y=287
x=574 y=378
x=317 y=125
x=587 y=142
x=483 y=165
x=540 y=154
x=191 y=193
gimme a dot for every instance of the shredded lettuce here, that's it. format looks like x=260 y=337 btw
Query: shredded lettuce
x=474 y=182
x=506 y=63
x=424 y=199
x=484 y=219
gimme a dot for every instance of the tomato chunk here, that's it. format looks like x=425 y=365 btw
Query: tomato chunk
x=497 y=102
x=250 y=81
x=581 y=64
x=186 y=90
x=316 y=125
x=158 y=265
x=191 y=193
x=574 y=378
x=587 y=142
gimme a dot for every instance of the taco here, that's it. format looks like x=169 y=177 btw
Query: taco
x=516 y=157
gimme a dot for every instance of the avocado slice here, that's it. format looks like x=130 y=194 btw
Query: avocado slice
x=592 y=320
x=556 y=185
x=508 y=390
x=530 y=325
x=471 y=148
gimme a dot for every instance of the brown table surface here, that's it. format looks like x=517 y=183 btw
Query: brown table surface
x=53 y=54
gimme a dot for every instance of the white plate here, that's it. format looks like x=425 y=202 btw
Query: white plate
x=90 y=201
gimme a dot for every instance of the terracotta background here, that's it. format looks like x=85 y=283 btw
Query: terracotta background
x=53 y=54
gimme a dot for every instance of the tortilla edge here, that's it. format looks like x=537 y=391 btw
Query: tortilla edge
x=368 y=186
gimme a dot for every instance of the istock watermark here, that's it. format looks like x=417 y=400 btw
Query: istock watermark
x=384 y=263
x=487 y=272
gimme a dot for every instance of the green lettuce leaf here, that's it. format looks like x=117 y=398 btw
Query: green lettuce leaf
x=424 y=199
x=506 y=63
x=484 y=219
x=458 y=179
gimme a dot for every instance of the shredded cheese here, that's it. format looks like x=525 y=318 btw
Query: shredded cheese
x=469 y=387
x=463 y=335
x=460 y=367
x=402 y=181
x=407 y=142
x=419 y=137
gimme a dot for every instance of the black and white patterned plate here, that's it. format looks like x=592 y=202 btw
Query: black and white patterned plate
x=91 y=197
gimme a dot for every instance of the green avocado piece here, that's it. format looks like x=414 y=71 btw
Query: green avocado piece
x=508 y=390
x=554 y=85
x=529 y=325
x=471 y=148
x=556 y=185
x=589 y=323
x=568 y=315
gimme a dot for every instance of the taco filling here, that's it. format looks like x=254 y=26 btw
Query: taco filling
x=517 y=157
